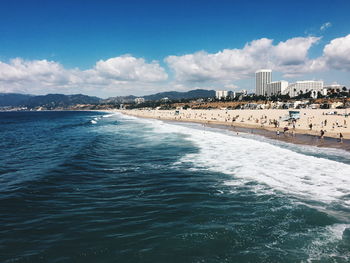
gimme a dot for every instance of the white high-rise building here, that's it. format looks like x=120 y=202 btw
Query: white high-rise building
x=302 y=87
x=262 y=78
x=276 y=87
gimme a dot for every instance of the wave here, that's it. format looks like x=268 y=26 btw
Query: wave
x=328 y=242
x=303 y=176
x=78 y=124
x=125 y=117
x=95 y=119
x=108 y=115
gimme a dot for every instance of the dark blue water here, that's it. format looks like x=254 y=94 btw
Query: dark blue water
x=94 y=187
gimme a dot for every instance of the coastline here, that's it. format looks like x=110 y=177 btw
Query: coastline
x=301 y=137
x=298 y=136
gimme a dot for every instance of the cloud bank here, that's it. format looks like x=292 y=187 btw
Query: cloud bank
x=336 y=54
x=289 y=57
x=130 y=75
x=109 y=77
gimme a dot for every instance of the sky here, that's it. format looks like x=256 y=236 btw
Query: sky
x=115 y=48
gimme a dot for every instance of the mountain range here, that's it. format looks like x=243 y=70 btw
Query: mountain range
x=61 y=100
x=49 y=100
x=175 y=95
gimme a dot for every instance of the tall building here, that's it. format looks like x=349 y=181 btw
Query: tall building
x=276 y=87
x=302 y=87
x=262 y=78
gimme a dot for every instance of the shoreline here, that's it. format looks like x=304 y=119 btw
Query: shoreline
x=300 y=137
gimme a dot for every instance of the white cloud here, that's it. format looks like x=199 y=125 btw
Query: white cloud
x=289 y=57
x=337 y=53
x=111 y=77
x=293 y=51
x=325 y=26
x=126 y=74
x=228 y=64
x=128 y=68
x=21 y=70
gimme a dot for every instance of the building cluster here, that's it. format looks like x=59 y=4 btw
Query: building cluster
x=302 y=87
x=264 y=86
x=226 y=94
x=139 y=100
x=297 y=104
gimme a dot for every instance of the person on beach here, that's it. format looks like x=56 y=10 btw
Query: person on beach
x=340 y=137
x=310 y=126
x=278 y=133
x=274 y=122
x=321 y=134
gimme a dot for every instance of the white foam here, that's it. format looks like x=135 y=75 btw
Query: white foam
x=97 y=118
x=108 y=115
x=337 y=230
x=275 y=168
x=127 y=117
x=284 y=170
x=325 y=243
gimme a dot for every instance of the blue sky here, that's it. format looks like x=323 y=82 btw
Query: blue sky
x=133 y=40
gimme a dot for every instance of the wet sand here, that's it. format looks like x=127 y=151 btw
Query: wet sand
x=305 y=139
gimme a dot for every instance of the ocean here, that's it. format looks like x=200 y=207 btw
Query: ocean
x=105 y=187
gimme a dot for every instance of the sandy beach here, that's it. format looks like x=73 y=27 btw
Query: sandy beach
x=311 y=121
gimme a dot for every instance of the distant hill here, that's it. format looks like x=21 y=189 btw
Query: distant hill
x=60 y=100
x=52 y=101
x=119 y=99
x=172 y=95
x=175 y=95
x=49 y=100
x=13 y=99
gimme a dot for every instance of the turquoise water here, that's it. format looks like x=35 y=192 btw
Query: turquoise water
x=100 y=187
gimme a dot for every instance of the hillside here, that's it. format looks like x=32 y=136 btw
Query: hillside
x=51 y=101
x=175 y=95
x=13 y=99
x=60 y=100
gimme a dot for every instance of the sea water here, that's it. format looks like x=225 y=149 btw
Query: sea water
x=104 y=187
